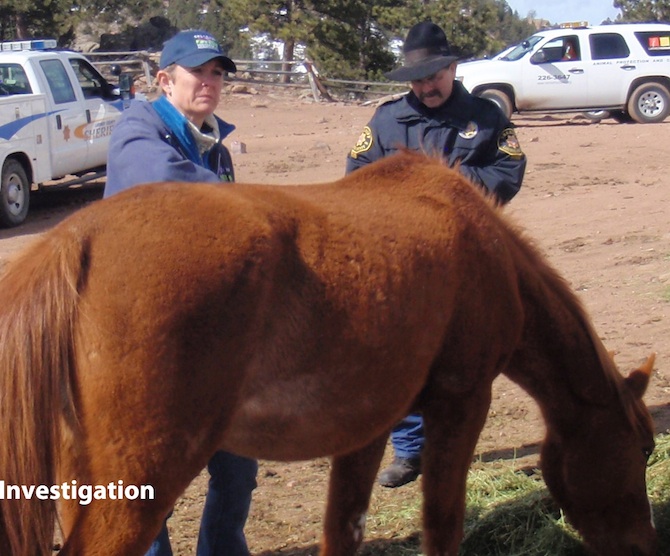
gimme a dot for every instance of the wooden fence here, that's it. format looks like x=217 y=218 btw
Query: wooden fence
x=297 y=74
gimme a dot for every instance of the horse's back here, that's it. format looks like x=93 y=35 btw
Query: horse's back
x=286 y=299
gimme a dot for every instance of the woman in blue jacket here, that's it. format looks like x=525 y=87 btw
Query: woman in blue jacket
x=178 y=138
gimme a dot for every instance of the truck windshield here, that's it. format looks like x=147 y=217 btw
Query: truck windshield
x=13 y=80
x=521 y=49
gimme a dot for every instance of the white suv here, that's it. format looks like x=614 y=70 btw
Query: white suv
x=620 y=70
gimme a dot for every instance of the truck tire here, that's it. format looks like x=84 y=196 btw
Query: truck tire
x=649 y=103
x=14 y=194
x=501 y=99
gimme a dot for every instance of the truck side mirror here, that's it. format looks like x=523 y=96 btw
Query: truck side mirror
x=126 y=86
x=540 y=57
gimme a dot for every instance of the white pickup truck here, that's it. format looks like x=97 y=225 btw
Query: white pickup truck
x=56 y=114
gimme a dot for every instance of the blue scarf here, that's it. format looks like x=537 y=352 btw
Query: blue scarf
x=178 y=125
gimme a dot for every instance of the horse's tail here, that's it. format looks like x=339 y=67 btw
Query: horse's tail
x=38 y=308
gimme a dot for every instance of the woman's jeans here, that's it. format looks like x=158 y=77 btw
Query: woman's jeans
x=232 y=480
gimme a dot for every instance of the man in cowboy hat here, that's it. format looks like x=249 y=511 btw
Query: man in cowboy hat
x=440 y=117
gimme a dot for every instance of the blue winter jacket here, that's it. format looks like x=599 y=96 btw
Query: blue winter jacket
x=143 y=149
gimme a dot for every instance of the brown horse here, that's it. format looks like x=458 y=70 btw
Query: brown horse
x=153 y=328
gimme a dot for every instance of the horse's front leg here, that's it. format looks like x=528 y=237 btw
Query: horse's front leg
x=452 y=426
x=351 y=480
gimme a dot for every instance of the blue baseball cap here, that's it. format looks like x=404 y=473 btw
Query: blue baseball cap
x=190 y=49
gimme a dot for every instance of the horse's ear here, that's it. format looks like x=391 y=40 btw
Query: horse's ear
x=638 y=380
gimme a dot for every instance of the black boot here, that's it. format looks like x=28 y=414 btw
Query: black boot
x=400 y=472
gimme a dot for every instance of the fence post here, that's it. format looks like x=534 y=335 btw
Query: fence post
x=315 y=83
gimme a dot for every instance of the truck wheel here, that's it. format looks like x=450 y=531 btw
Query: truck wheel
x=14 y=194
x=649 y=103
x=501 y=99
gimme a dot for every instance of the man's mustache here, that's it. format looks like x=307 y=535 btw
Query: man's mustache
x=430 y=94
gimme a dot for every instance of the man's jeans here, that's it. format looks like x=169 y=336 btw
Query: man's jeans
x=407 y=437
x=232 y=480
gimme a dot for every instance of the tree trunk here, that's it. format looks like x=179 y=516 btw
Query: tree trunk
x=21 y=28
x=287 y=56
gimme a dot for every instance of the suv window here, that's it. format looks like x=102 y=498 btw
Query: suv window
x=654 y=43
x=605 y=46
x=558 y=50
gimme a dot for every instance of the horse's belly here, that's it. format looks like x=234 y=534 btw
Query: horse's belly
x=290 y=436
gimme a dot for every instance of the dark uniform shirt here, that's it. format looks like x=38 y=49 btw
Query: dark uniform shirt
x=465 y=129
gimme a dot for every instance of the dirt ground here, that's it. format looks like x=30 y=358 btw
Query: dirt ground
x=595 y=198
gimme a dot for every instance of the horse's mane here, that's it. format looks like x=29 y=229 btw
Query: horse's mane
x=405 y=162
x=560 y=287
x=564 y=291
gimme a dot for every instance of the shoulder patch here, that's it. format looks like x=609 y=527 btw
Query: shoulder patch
x=364 y=142
x=509 y=144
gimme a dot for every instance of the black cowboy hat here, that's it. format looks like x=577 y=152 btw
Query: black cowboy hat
x=426 y=52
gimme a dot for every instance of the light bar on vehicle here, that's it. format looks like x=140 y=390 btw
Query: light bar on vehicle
x=574 y=25
x=38 y=44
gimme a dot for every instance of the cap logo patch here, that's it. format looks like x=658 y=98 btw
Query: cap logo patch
x=206 y=42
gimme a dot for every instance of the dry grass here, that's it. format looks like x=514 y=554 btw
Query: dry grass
x=510 y=513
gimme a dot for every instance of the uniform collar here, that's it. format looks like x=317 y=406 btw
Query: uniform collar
x=454 y=112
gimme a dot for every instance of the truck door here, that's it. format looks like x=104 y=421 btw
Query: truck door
x=102 y=106
x=555 y=76
x=69 y=153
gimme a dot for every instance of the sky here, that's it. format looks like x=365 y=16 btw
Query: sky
x=592 y=11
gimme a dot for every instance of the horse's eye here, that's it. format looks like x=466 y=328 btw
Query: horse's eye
x=647 y=452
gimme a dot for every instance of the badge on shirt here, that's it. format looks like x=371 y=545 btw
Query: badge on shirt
x=363 y=144
x=509 y=144
x=470 y=131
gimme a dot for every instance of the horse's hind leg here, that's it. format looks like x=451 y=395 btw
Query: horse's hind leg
x=121 y=500
x=452 y=426
x=351 y=480
x=113 y=528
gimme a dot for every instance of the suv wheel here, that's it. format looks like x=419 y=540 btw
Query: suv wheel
x=596 y=116
x=649 y=103
x=501 y=99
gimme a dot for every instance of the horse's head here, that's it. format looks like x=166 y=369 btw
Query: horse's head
x=597 y=473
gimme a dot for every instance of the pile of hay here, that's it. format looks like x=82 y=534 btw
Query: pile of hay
x=510 y=513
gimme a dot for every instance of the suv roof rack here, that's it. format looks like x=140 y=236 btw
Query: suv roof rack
x=37 y=44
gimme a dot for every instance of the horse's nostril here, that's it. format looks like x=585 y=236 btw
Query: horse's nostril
x=635 y=551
